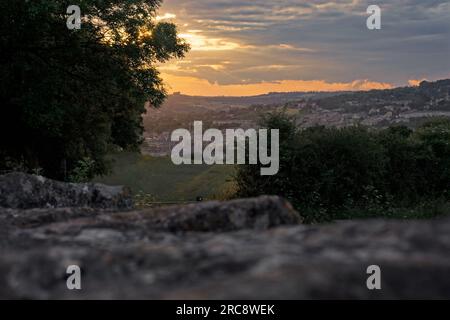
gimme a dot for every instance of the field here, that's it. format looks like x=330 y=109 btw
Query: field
x=164 y=181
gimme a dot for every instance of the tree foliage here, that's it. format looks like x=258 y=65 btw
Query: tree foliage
x=327 y=172
x=69 y=95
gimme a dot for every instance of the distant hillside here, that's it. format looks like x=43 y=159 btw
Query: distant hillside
x=410 y=106
x=264 y=99
x=428 y=96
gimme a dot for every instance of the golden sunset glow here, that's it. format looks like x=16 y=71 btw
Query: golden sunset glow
x=200 y=87
x=200 y=42
x=166 y=16
x=247 y=48
x=414 y=82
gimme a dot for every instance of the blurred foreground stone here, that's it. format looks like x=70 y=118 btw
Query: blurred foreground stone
x=23 y=191
x=243 y=249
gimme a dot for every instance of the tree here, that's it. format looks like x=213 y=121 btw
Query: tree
x=69 y=95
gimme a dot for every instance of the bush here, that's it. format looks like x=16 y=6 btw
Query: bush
x=84 y=171
x=332 y=173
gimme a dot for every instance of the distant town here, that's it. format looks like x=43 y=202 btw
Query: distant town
x=409 y=106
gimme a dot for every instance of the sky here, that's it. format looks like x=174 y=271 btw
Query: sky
x=250 y=47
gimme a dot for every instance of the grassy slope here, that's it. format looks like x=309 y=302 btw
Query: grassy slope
x=166 y=181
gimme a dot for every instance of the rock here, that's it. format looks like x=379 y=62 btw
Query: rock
x=289 y=262
x=243 y=249
x=23 y=191
x=259 y=213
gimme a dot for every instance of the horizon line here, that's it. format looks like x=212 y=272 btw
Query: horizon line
x=180 y=93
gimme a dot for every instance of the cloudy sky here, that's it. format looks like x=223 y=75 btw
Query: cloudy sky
x=246 y=47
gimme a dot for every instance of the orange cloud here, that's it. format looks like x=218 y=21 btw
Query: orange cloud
x=415 y=83
x=201 y=87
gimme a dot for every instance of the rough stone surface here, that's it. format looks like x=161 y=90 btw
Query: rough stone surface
x=23 y=191
x=245 y=249
x=259 y=213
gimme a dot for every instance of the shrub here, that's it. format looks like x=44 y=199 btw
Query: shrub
x=333 y=173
